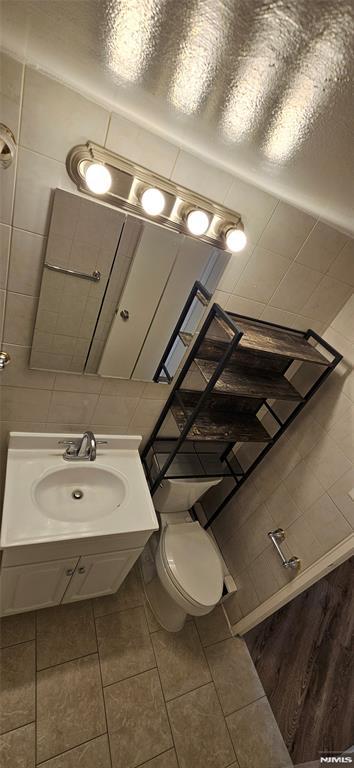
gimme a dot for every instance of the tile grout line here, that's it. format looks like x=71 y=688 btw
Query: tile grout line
x=239 y=709
x=130 y=677
x=35 y=693
x=186 y=693
x=102 y=686
x=141 y=765
x=107 y=129
x=140 y=577
x=122 y=610
x=95 y=653
x=20 y=642
x=164 y=701
x=41 y=154
x=147 y=670
x=66 y=751
x=221 y=709
x=69 y=661
x=179 y=150
x=18 y=728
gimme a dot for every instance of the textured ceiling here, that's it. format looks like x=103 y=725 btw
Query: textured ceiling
x=264 y=89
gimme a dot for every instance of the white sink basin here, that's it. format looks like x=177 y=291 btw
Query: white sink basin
x=49 y=499
x=79 y=492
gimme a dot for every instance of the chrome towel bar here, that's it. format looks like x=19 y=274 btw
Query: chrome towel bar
x=276 y=538
x=95 y=276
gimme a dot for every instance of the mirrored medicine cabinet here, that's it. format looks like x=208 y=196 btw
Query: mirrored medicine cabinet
x=113 y=288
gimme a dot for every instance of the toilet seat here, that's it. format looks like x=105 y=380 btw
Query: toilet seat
x=192 y=564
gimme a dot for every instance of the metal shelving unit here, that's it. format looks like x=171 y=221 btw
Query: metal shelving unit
x=235 y=387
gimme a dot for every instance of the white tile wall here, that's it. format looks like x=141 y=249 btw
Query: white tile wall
x=5 y=232
x=343 y=267
x=37 y=177
x=327 y=299
x=55 y=118
x=10 y=91
x=244 y=306
x=27 y=256
x=142 y=147
x=296 y=288
x=295 y=270
x=322 y=247
x=261 y=275
x=19 y=318
x=287 y=230
x=10 y=100
x=195 y=174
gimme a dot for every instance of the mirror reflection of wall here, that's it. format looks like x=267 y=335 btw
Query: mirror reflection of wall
x=116 y=316
x=83 y=237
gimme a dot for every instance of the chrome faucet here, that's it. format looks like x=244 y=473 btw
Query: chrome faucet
x=81 y=448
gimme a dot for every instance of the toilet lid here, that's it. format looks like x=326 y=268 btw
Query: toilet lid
x=193 y=562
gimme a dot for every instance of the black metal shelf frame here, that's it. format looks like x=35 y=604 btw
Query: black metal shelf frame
x=198 y=292
x=215 y=312
x=337 y=357
x=234 y=470
x=195 y=460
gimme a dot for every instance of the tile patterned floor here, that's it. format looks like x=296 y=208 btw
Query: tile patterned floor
x=99 y=684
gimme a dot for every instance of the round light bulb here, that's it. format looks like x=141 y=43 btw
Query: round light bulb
x=197 y=222
x=153 y=201
x=235 y=239
x=98 y=178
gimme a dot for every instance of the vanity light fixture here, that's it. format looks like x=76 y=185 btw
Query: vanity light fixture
x=153 y=201
x=198 y=222
x=98 y=178
x=235 y=238
x=98 y=171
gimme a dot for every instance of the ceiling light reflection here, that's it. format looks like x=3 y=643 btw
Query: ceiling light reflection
x=132 y=26
x=275 y=34
x=199 y=56
x=323 y=65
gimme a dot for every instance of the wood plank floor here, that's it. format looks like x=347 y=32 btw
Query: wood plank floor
x=304 y=655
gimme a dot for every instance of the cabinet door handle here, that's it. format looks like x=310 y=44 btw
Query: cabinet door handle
x=82 y=569
x=69 y=572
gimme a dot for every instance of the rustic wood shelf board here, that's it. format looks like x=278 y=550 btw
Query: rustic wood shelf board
x=266 y=338
x=248 y=382
x=218 y=420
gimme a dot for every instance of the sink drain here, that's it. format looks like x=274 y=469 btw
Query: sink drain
x=77 y=494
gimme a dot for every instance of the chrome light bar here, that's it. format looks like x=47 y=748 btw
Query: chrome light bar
x=127 y=183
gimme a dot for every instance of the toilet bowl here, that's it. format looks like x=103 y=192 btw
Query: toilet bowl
x=189 y=575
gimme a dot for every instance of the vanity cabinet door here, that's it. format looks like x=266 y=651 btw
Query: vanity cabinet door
x=26 y=587
x=97 y=575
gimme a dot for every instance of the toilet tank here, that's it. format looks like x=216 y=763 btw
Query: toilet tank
x=180 y=495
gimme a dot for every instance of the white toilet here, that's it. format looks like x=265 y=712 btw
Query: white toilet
x=189 y=576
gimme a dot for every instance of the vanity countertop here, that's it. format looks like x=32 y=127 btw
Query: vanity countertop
x=48 y=499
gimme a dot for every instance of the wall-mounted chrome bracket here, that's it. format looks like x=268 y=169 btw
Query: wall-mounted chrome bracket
x=4 y=359
x=7 y=146
x=276 y=538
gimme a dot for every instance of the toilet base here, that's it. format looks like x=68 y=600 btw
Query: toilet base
x=166 y=611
